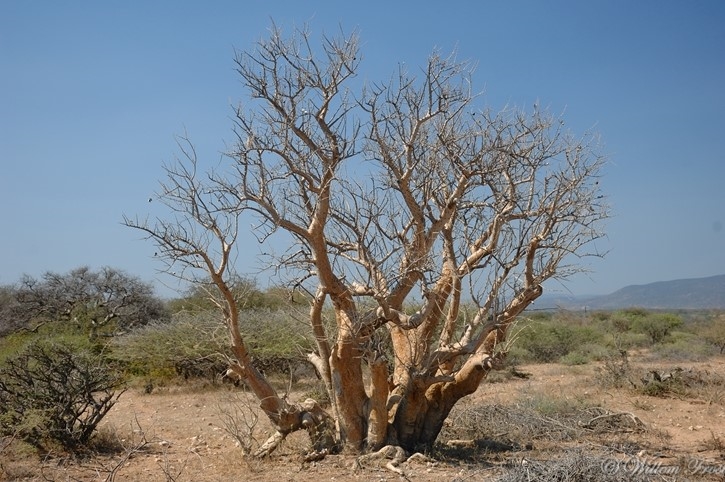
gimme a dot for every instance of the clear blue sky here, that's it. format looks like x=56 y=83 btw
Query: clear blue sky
x=92 y=94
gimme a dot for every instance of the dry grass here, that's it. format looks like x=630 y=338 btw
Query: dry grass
x=572 y=466
x=559 y=420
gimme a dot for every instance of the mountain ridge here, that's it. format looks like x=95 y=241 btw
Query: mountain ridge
x=687 y=294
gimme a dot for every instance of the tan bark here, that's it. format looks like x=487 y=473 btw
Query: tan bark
x=378 y=415
x=425 y=404
x=349 y=389
x=497 y=199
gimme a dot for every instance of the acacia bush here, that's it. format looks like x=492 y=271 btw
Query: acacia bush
x=548 y=340
x=101 y=303
x=9 y=307
x=56 y=392
x=195 y=345
x=657 y=326
x=682 y=346
x=249 y=296
x=714 y=332
x=191 y=344
x=577 y=338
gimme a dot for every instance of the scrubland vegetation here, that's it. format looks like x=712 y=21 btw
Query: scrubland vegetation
x=60 y=374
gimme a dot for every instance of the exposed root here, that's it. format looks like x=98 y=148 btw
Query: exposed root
x=308 y=416
x=315 y=456
x=270 y=445
x=419 y=457
x=395 y=456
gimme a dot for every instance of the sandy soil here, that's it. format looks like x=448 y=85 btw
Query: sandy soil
x=179 y=434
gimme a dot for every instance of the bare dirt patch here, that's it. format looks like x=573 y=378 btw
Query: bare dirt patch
x=557 y=413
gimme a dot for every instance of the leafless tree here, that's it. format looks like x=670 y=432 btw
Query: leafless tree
x=396 y=194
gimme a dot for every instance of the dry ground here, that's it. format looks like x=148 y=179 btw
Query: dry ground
x=179 y=434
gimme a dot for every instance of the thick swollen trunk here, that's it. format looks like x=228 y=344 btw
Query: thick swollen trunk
x=425 y=406
x=423 y=410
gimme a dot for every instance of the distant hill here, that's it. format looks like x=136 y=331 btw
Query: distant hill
x=686 y=294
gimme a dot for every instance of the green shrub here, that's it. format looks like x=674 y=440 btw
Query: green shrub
x=544 y=343
x=55 y=391
x=625 y=341
x=575 y=358
x=681 y=346
x=714 y=332
x=552 y=405
x=657 y=389
x=517 y=354
x=196 y=345
x=635 y=312
x=587 y=352
x=657 y=326
x=248 y=295
x=550 y=341
x=621 y=324
x=14 y=343
x=600 y=316
x=57 y=331
x=275 y=333
x=160 y=352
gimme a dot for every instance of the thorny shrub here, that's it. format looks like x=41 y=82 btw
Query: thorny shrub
x=56 y=392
